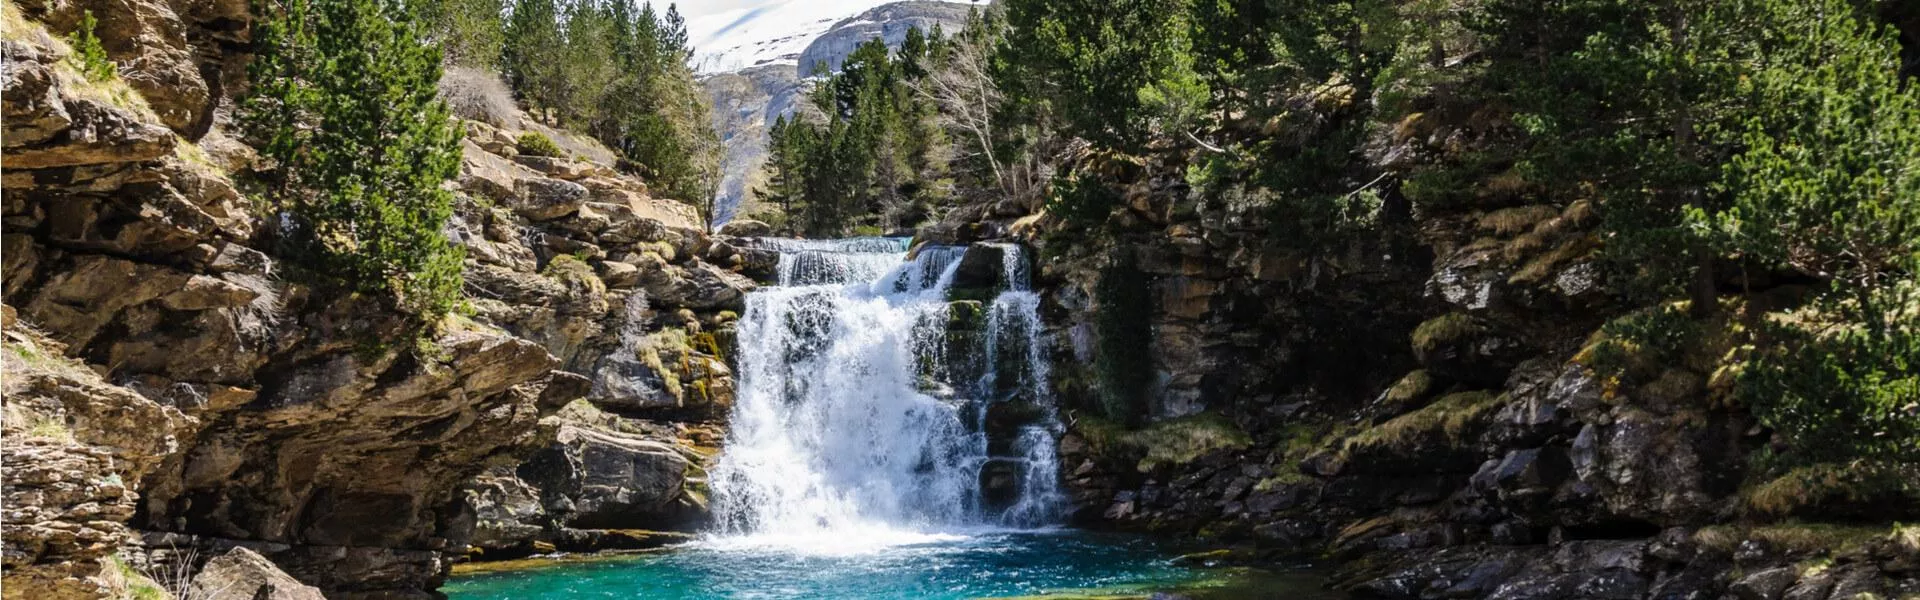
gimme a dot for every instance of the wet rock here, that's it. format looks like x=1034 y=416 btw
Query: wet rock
x=981 y=267
x=1769 y=584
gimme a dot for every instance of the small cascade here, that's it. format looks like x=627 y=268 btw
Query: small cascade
x=1017 y=362
x=870 y=407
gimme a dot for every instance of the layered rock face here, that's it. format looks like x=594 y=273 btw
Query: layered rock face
x=1424 y=405
x=197 y=396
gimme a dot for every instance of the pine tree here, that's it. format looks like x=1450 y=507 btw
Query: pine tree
x=88 y=55
x=344 y=98
x=470 y=33
x=1088 y=60
x=534 y=54
x=1828 y=185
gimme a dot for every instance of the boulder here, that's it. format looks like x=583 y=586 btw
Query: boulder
x=746 y=228
x=697 y=286
x=547 y=199
x=597 y=479
x=243 y=573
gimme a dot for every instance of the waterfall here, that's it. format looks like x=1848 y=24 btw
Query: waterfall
x=862 y=419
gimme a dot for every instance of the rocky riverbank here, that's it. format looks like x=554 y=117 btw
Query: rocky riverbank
x=174 y=391
x=1438 y=409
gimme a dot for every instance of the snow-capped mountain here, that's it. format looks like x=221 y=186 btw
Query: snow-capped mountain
x=730 y=35
x=750 y=51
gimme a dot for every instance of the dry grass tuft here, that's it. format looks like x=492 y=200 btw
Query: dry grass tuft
x=1509 y=221
x=1409 y=388
x=1542 y=266
x=478 y=95
x=1859 y=481
x=1449 y=416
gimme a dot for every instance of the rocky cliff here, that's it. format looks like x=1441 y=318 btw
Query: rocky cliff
x=175 y=390
x=1435 y=407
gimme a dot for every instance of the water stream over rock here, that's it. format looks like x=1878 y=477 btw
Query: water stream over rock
x=872 y=410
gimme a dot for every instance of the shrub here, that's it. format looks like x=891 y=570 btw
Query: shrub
x=533 y=143
x=88 y=55
x=1843 y=381
x=1081 y=203
x=478 y=95
x=344 y=103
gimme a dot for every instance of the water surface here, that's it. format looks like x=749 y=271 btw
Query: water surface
x=1056 y=564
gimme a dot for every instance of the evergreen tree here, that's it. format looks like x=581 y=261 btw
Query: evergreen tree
x=534 y=54
x=470 y=33
x=1828 y=185
x=1089 y=60
x=344 y=99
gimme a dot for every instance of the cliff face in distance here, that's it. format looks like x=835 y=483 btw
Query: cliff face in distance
x=747 y=101
x=175 y=391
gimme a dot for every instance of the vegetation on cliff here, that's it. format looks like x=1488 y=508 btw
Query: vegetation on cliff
x=345 y=103
x=1731 y=187
x=1727 y=147
x=619 y=72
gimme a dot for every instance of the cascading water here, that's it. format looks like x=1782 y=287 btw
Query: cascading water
x=852 y=426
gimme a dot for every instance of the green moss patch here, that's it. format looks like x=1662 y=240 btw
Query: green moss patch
x=1449 y=417
x=1859 y=482
x=1443 y=330
x=1170 y=442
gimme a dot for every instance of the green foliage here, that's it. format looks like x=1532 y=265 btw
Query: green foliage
x=1842 y=380
x=869 y=154
x=1829 y=179
x=88 y=56
x=1643 y=341
x=618 y=72
x=471 y=33
x=1094 y=62
x=534 y=143
x=344 y=101
x=1082 y=203
x=1123 y=326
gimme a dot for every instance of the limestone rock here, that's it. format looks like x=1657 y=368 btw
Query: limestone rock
x=746 y=228
x=149 y=43
x=243 y=573
x=547 y=199
x=64 y=507
x=698 y=286
x=46 y=128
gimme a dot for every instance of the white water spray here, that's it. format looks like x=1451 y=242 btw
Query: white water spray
x=853 y=428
